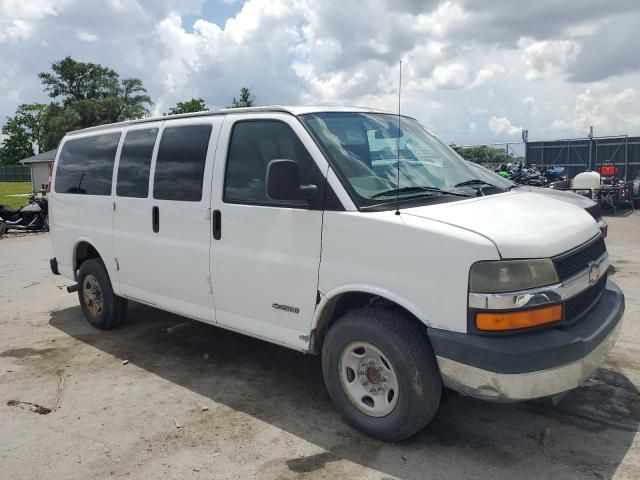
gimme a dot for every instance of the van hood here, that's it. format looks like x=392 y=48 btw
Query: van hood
x=521 y=223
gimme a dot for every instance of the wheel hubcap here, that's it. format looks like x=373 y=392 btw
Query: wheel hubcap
x=368 y=378
x=92 y=294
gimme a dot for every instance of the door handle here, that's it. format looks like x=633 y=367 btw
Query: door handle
x=217 y=224
x=155 y=219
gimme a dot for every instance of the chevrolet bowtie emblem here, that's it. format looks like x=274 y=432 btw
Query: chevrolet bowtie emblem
x=594 y=271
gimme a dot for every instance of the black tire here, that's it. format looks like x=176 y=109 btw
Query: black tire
x=45 y=223
x=3 y=228
x=113 y=309
x=413 y=361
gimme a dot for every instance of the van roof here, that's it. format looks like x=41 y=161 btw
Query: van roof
x=292 y=110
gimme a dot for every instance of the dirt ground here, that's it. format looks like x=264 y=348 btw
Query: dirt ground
x=148 y=401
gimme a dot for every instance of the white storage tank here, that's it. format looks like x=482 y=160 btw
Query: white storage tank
x=587 y=180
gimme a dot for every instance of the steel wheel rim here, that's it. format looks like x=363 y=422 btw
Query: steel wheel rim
x=92 y=294
x=368 y=379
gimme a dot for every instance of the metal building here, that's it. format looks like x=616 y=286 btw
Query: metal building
x=583 y=154
x=40 y=168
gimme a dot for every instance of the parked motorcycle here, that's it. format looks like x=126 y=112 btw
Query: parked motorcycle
x=518 y=173
x=555 y=174
x=33 y=216
x=556 y=177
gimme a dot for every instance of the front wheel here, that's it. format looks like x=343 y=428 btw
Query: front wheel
x=101 y=307
x=381 y=373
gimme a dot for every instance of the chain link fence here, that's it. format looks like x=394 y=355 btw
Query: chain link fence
x=577 y=155
x=15 y=173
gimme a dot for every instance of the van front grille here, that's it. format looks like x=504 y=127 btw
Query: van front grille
x=570 y=263
x=576 y=307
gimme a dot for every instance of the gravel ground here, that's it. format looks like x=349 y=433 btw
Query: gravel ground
x=151 y=401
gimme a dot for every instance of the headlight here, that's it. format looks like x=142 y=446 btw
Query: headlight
x=511 y=275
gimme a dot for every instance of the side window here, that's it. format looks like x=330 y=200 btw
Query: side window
x=135 y=163
x=253 y=145
x=180 y=163
x=86 y=165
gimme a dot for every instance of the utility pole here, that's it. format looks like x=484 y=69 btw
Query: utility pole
x=590 y=145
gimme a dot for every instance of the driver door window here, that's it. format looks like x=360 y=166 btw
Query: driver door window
x=253 y=145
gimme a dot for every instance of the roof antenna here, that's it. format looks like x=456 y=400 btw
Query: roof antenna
x=398 y=145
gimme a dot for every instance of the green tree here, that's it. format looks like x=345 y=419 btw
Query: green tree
x=85 y=94
x=190 y=106
x=73 y=80
x=16 y=144
x=126 y=101
x=483 y=154
x=246 y=99
x=89 y=94
x=23 y=133
x=56 y=122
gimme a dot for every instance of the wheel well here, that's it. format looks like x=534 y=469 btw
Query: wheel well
x=341 y=304
x=84 y=251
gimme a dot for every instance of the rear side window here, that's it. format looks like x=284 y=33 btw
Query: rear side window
x=180 y=163
x=85 y=165
x=135 y=163
x=253 y=145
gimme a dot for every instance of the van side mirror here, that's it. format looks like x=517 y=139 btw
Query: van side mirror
x=283 y=182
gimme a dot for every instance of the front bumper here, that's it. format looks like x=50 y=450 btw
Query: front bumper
x=530 y=365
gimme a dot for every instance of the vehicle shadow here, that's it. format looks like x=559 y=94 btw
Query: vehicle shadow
x=586 y=435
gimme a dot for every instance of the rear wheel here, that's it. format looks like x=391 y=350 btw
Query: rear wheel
x=381 y=373
x=101 y=307
x=3 y=228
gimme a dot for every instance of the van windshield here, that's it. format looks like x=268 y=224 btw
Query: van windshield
x=365 y=149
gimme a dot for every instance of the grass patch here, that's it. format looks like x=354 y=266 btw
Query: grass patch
x=14 y=188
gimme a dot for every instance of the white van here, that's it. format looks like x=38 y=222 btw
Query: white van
x=345 y=232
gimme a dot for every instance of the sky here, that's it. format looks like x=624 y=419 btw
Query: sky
x=474 y=71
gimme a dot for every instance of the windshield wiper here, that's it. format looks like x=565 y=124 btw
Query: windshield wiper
x=417 y=189
x=476 y=181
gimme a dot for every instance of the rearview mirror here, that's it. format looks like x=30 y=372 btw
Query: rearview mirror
x=391 y=132
x=283 y=182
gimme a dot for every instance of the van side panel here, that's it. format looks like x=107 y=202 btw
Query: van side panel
x=77 y=217
x=421 y=265
x=132 y=229
x=167 y=264
x=265 y=260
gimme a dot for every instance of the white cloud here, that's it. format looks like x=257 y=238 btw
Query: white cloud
x=28 y=10
x=15 y=30
x=543 y=58
x=607 y=111
x=503 y=126
x=17 y=17
x=487 y=73
x=87 y=37
x=451 y=76
x=469 y=66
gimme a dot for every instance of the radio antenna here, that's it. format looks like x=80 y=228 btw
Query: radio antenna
x=398 y=144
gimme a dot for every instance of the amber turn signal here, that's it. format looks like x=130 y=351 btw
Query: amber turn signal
x=498 y=321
